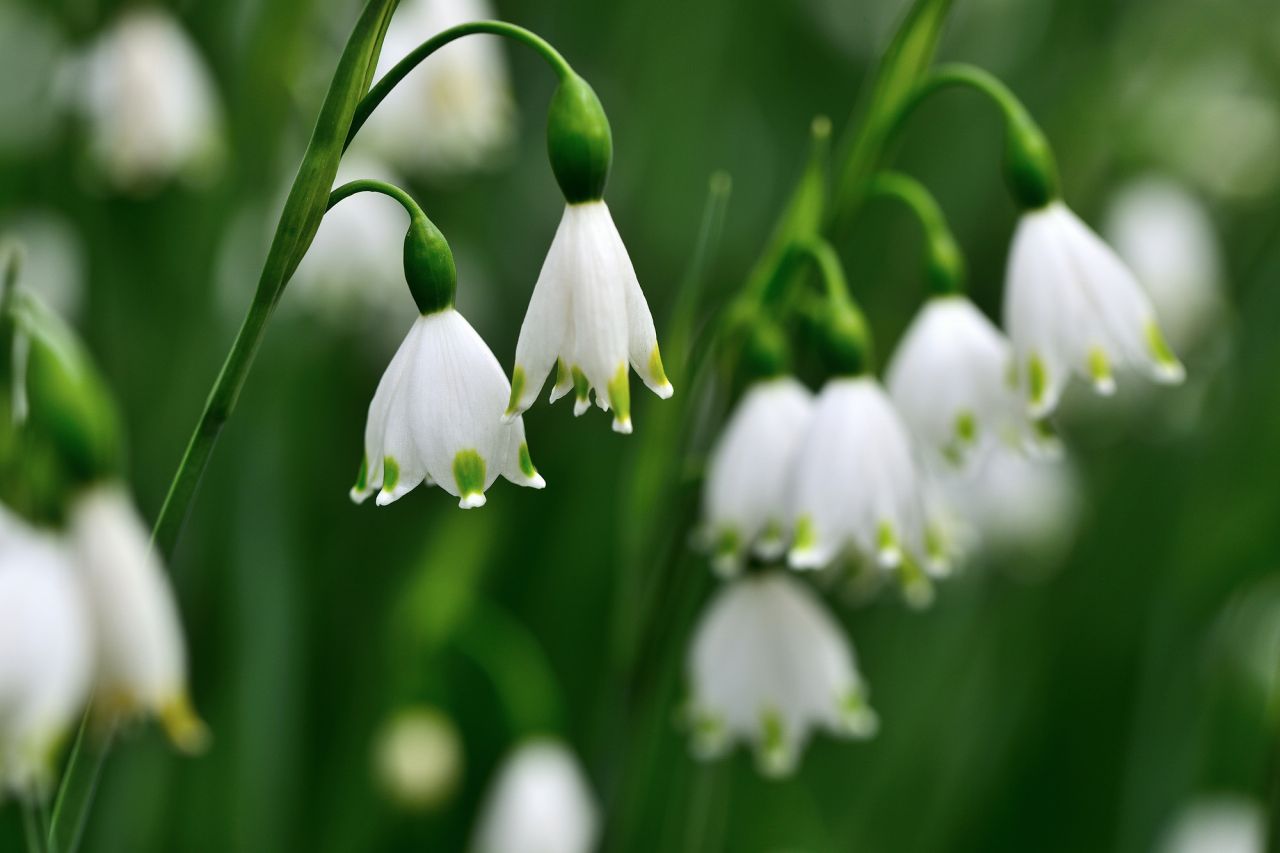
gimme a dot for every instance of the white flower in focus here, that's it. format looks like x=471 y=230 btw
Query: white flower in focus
x=588 y=318
x=150 y=102
x=858 y=486
x=540 y=803
x=437 y=418
x=46 y=655
x=142 y=656
x=748 y=476
x=418 y=758
x=1166 y=237
x=455 y=112
x=1072 y=306
x=1223 y=824
x=768 y=664
x=950 y=379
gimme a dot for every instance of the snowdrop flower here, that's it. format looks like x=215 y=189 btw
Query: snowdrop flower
x=1224 y=824
x=588 y=317
x=53 y=259
x=540 y=803
x=142 y=666
x=1071 y=305
x=745 y=499
x=46 y=655
x=455 y=113
x=1166 y=237
x=418 y=758
x=950 y=380
x=149 y=101
x=768 y=664
x=858 y=486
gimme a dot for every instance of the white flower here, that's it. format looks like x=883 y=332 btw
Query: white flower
x=540 y=803
x=418 y=758
x=1221 y=824
x=149 y=101
x=142 y=656
x=46 y=654
x=53 y=259
x=748 y=476
x=1166 y=237
x=588 y=318
x=1071 y=305
x=768 y=664
x=454 y=113
x=437 y=418
x=950 y=379
x=858 y=486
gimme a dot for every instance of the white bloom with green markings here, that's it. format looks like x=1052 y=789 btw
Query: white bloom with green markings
x=1072 y=306
x=436 y=418
x=748 y=477
x=768 y=666
x=588 y=319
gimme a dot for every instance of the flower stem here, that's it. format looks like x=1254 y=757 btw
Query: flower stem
x=944 y=262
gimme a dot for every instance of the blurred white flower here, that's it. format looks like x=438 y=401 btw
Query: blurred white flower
x=1166 y=237
x=437 y=418
x=1221 y=824
x=748 y=477
x=950 y=379
x=418 y=758
x=46 y=654
x=768 y=664
x=53 y=259
x=31 y=49
x=1071 y=306
x=141 y=651
x=540 y=803
x=588 y=317
x=149 y=101
x=859 y=487
x=455 y=112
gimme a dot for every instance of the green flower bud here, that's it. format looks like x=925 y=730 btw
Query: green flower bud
x=428 y=266
x=579 y=141
x=845 y=340
x=1030 y=168
x=766 y=352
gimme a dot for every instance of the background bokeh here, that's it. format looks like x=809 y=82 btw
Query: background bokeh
x=1078 y=706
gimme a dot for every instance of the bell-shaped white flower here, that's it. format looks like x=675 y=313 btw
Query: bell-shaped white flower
x=418 y=758
x=748 y=477
x=540 y=803
x=1165 y=235
x=142 y=656
x=437 y=418
x=767 y=666
x=950 y=380
x=858 y=486
x=1217 y=824
x=1071 y=305
x=588 y=318
x=46 y=655
x=149 y=101
x=455 y=113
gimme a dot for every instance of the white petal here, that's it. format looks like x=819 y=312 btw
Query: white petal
x=376 y=426
x=547 y=322
x=540 y=802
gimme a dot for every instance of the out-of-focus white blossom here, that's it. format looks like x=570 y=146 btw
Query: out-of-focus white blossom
x=31 y=50
x=53 y=261
x=1221 y=824
x=540 y=802
x=417 y=758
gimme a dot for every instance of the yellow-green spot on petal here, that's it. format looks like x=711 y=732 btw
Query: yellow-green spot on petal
x=1162 y=352
x=1037 y=379
x=184 y=727
x=885 y=538
x=581 y=387
x=655 y=368
x=390 y=473
x=728 y=542
x=362 y=477
x=806 y=534
x=966 y=427
x=620 y=394
x=858 y=718
x=468 y=472
x=526 y=462
x=563 y=377
x=1100 y=367
x=517 y=389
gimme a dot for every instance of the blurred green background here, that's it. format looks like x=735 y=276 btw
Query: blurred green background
x=1078 y=712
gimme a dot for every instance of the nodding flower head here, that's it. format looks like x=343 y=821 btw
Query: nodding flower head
x=539 y=802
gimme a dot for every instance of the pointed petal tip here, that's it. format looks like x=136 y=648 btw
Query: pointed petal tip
x=1104 y=386
x=580 y=405
x=472 y=500
x=664 y=391
x=805 y=559
x=536 y=481
x=384 y=498
x=889 y=557
x=1170 y=373
x=622 y=426
x=359 y=496
x=510 y=415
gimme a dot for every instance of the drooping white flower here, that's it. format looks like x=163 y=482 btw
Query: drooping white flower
x=52 y=261
x=745 y=500
x=437 y=418
x=588 y=318
x=1072 y=306
x=149 y=100
x=46 y=654
x=858 y=486
x=950 y=380
x=1166 y=237
x=142 y=656
x=1220 y=824
x=767 y=666
x=454 y=113
x=418 y=758
x=540 y=803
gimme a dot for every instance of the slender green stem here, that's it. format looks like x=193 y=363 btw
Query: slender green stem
x=31 y=827
x=944 y=262
x=513 y=660
x=370 y=185
x=830 y=270
x=402 y=68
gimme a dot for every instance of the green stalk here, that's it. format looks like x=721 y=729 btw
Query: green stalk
x=944 y=262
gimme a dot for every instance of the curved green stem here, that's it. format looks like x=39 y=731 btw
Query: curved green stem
x=371 y=185
x=843 y=331
x=944 y=262
x=402 y=68
x=514 y=662
x=824 y=258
